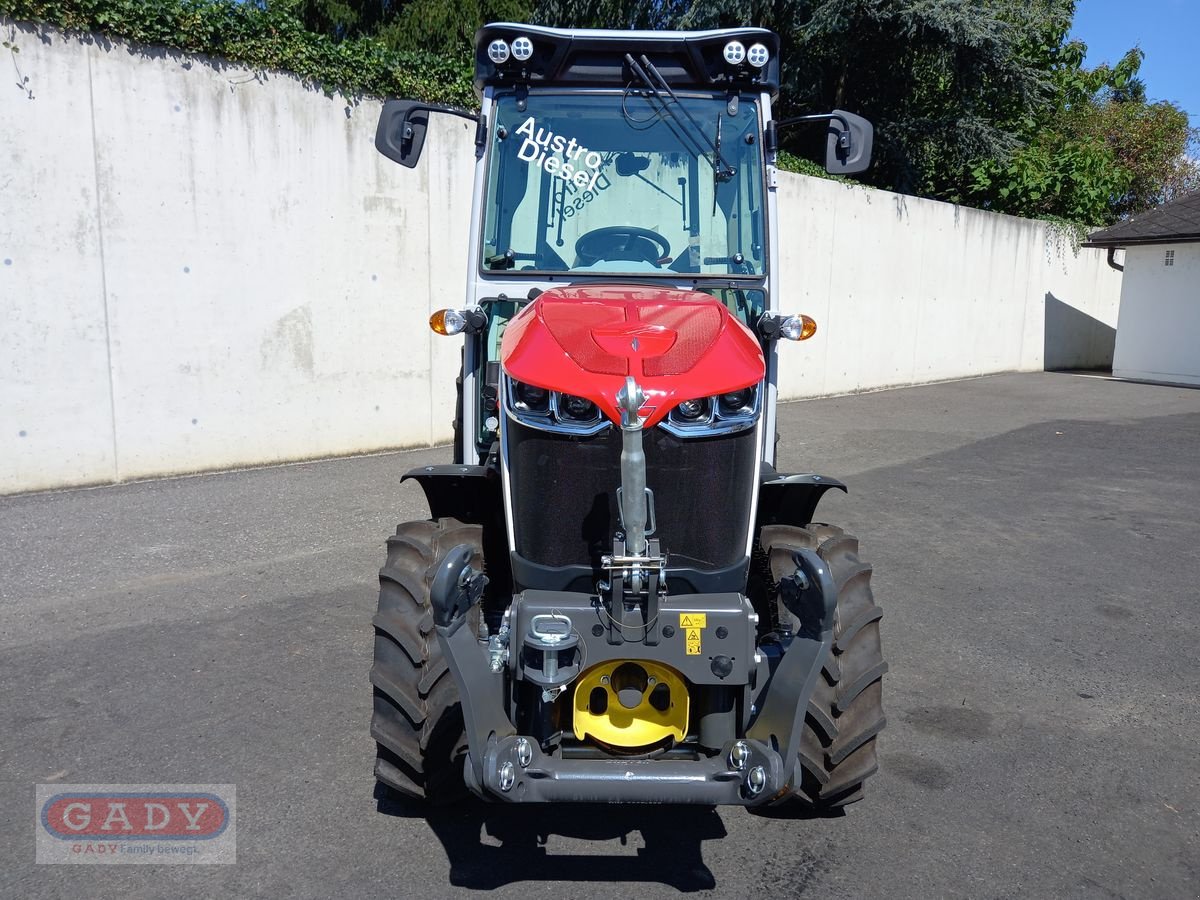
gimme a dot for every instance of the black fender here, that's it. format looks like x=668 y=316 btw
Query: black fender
x=791 y=499
x=470 y=494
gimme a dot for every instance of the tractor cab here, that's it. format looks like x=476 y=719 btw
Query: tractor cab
x=624 y=157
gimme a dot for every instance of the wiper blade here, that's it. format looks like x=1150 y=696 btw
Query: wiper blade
x=717 y=176
x=721 y=169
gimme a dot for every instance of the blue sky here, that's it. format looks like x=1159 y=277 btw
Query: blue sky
x=1167 y=30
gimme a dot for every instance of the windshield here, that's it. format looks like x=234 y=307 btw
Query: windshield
x=625 y=183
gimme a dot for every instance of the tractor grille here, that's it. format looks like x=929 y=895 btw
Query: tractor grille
x=564 y=495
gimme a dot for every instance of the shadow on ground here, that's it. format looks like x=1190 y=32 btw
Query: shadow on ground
x=490 y=845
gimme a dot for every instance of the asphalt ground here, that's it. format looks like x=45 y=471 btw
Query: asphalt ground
x=1034 y=538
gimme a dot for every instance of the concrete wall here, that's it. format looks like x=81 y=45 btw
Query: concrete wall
x=1159 y=335
x=200 y=267
x=906 y=291
x=203 y=267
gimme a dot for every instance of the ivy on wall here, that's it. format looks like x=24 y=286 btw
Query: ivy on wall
x=261 y=38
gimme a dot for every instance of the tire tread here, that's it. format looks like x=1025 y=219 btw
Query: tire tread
x=416 y=720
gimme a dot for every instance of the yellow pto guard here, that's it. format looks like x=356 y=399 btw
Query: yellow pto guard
x=631 y=704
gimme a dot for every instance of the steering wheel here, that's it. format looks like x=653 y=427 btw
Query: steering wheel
x=624 y=242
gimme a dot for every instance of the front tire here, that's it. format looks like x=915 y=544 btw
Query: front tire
x=845 y=713
x=417 y=718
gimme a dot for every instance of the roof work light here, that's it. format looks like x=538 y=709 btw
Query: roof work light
x=522 y=48
x=498 y=51
x=735 y=53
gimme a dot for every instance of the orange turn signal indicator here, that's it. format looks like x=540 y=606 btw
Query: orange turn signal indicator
x=797 y=328
x=448 y=322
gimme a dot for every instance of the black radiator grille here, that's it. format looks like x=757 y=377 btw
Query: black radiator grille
x=565 y=502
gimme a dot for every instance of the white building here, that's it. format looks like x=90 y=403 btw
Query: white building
x=1158 y=328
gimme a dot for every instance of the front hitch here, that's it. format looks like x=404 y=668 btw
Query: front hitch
x=810 y=595
x=633 y=469
x=455 y=590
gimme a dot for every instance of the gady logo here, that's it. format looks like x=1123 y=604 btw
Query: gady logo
x=135 y=817
x=135 y=823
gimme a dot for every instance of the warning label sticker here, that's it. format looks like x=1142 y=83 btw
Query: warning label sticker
x=692 y=625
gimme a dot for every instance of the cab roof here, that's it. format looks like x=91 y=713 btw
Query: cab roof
x=596 y=58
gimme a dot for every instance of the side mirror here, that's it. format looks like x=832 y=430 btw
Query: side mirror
x=847 y=147
x=848 y=144
x=400 y=135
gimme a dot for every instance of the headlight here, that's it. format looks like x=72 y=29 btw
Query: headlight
x=695 y=410
x=736 y=403
x=735 y=53
x=530 y=398
x=548 y=410
x=723 y=414
x=578 y=408
x=757 y=55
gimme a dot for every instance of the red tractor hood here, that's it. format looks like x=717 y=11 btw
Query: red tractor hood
x=678 y=345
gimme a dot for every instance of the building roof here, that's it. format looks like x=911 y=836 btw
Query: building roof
x=1176 y=222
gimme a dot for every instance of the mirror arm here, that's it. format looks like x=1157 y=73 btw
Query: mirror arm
x=844 y=139
x=480 y=126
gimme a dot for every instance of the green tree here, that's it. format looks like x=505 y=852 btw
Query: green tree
x=1149 y=142
x=985 y=102
x=439 y=26
x=1099 y=150
x=264 y=36
x=449 y=26
x=934 y=76
x=650 y=15
x=340 y=19
x=980 y=101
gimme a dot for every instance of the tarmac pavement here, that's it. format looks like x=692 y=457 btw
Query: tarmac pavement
x=1035 y=547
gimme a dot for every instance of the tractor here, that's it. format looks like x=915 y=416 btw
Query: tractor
x=617 y=598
